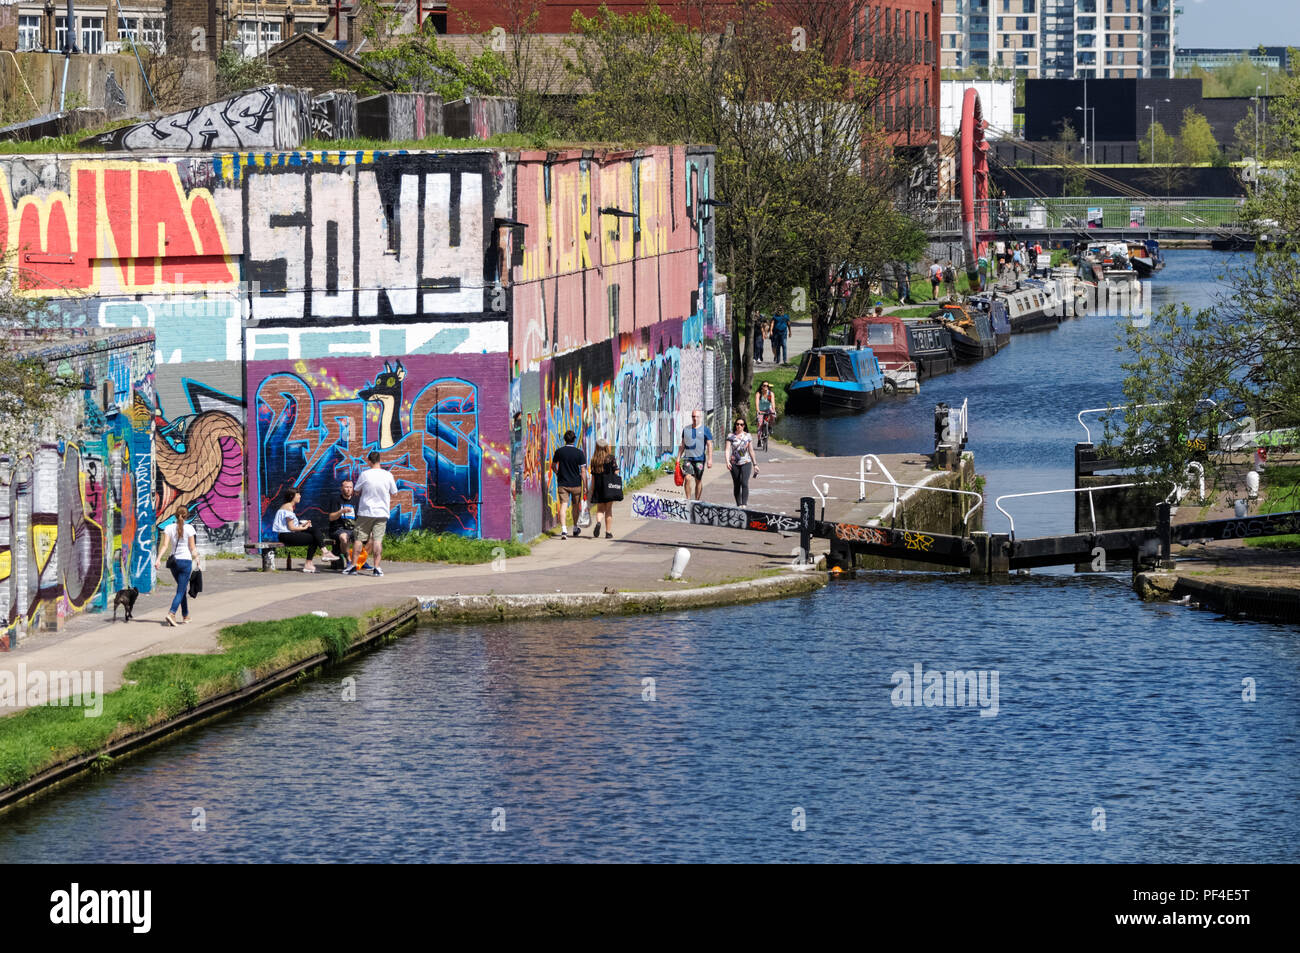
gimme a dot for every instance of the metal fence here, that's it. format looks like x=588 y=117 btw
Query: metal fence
x=1140 y=214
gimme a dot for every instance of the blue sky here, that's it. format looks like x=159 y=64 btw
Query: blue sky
x=1239 y=23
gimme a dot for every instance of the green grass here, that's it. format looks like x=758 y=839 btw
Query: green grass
x=778 y=376
x=914 y=312
x=1279 y=493
x=161 y=687
x=421 y=546
x=65 y=143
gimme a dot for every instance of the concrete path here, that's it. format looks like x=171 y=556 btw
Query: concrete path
x=637 y=559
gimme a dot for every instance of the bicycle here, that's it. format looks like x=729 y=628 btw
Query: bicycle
x=764 y=428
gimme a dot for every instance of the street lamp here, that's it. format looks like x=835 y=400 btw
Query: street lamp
x=1153 y=127
x=1257 y=102
x=1086 y=138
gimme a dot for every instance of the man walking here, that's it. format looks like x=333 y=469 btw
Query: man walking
x=695 y=454
x=569 y=467
x=780 y=328
x=375 y=490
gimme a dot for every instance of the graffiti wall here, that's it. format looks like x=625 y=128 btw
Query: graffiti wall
x=510 y=297
x=269 y=117
x=440 y=424
x=619 y=251
x=262 y=258
x=77 y=518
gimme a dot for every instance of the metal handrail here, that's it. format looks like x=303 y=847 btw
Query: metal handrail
x=1082 y=489
x=863 y=470
x=821 y=492
x=1098 y=410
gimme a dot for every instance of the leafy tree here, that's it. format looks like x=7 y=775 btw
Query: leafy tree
x=1196 y=142
x=1243 y=353
x=415 y=63
x=1167 y=174
x=30 y=392
x=236 y=72
x=807 y=180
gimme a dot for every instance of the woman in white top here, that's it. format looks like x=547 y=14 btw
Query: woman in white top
x=295 y=532
x=740 y=459
x=186 y=556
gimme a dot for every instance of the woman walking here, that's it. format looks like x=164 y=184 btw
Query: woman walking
x=740 y=460
x=603 y=465
x=179 y=536
x=294 y=532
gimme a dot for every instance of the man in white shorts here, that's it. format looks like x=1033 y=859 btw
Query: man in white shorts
x=375 y=489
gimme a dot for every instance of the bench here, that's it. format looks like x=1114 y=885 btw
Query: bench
x=267 y=551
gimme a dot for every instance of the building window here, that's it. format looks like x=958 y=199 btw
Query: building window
x=1022 y=23
x=1022 y=59
x=60 y=32
x=29 y=33
x=258 y=36
x=146 y=29
x=92 y=34
x=1027 y=41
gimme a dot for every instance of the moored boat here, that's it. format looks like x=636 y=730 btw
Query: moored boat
x=835 y=380
x=972 y=333
x=909 y=350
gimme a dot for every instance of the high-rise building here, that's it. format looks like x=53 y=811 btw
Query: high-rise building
x=1061 y=39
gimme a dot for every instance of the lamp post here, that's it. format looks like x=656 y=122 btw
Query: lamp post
x=1153 y=127
x=1086 y=138
x=1257 y=101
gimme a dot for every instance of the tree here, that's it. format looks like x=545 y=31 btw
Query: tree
x=1074 y=179
x=29 y=391
x=1242 y=354
x=1167 y=174
x=1196 y=142
x=414 y=62
x=805 y=174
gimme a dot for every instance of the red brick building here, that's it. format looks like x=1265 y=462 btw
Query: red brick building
x=896 y=42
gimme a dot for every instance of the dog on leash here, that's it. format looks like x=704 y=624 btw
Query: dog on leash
x=126 y=599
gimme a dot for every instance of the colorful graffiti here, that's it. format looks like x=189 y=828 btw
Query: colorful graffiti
x=171 y=242
x=200 y=462
x=436 y=430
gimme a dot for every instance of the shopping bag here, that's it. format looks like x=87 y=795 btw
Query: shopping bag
x=584 y=515
x=678 y=477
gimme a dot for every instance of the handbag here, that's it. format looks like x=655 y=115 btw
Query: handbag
x=613 y=487
x=678 y=477
x=170 y=565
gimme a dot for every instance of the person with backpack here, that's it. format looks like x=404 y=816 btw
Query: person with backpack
x=780 y=329
x=950 y=278
x=936 y=279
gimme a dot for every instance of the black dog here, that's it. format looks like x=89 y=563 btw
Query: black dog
x=126 y=599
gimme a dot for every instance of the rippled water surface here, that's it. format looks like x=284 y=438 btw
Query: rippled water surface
x=767 y=713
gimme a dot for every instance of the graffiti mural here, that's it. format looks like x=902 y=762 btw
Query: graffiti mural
x=269 y=117
x=439 y=424
x=74 y=526
x=200 y=463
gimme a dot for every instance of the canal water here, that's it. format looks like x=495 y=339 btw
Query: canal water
x=1115 y=731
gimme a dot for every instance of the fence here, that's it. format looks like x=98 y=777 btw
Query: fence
x=1142 y=214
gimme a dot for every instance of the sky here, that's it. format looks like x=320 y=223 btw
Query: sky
x=1238 y=23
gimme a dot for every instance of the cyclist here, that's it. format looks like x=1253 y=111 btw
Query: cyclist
x=765 y=411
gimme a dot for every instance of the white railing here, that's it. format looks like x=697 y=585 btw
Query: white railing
x=1092 y=510
x=1104 y=410
x=822 y=490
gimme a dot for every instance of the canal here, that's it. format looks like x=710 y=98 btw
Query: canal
x=1115 y=731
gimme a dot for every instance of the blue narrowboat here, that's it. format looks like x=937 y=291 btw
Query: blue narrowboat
x=835 y=380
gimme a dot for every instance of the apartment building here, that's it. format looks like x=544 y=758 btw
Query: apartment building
x=1061 y=39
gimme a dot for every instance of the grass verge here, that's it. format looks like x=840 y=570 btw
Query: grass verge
x=1280 y=493
x=161 y=687
x=421 y=546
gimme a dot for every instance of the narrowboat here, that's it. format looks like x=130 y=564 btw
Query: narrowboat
x=910 y=350
x=1032 y=306
x=972 y=333
x=835 y=380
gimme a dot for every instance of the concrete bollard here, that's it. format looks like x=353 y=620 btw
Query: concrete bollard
x=1239 y=509
x=1252 y=485
x=680 y=559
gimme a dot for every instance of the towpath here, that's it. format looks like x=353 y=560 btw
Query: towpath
x=638 y=559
